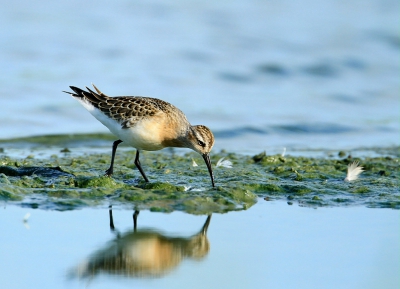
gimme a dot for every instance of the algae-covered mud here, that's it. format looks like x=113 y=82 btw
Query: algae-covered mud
x=65 y=178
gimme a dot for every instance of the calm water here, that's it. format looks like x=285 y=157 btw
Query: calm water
x=260 y=74
x=272 y=245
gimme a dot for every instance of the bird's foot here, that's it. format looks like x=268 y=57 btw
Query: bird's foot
x=109 y=172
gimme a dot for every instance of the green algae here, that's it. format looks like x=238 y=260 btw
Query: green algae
x=69 y=180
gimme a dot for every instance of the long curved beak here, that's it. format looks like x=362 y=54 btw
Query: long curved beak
x=206 y=158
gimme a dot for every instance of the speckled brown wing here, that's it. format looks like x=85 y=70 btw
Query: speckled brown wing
x=127 y=110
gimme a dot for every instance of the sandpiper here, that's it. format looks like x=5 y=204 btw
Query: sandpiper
x=146 y=124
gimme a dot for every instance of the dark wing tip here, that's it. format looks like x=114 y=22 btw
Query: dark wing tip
x=91 y=91
x=77 y=92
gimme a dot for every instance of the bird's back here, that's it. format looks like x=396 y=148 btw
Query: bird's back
x=127 y=110
x=142 y=122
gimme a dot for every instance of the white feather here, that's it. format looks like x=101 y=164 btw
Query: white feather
x=26 y=217
x=110 y=123
x=353 y=171
x=194 y=163
x=224 y=163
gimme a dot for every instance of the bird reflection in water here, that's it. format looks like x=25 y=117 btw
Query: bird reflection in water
x=143 y=252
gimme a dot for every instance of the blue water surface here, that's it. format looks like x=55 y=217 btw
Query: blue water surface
x=260 y=74
x=271 y=245
x=263 y=75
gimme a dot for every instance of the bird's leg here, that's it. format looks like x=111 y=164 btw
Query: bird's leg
x=137 y=164
x=111 y=218
x=205 y=226
x=110 y=170
x=112 y=228
x=135 y=215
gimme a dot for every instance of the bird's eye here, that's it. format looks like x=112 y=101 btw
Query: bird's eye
x=202 y=144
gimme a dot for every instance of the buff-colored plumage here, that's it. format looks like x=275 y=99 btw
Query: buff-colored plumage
x=143 y=253
x=145 y=123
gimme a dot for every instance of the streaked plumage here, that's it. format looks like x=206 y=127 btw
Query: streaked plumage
x=146 y=124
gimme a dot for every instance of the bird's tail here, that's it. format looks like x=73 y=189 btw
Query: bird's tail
x=90 y=95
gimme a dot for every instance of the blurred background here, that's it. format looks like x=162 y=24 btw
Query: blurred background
x=262 y=75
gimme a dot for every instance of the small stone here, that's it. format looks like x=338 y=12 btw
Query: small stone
x=384 y=173
x=259 y=157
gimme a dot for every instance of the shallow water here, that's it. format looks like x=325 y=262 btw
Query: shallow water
x=260 y=74
x=314 y=77
x=272 y=245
